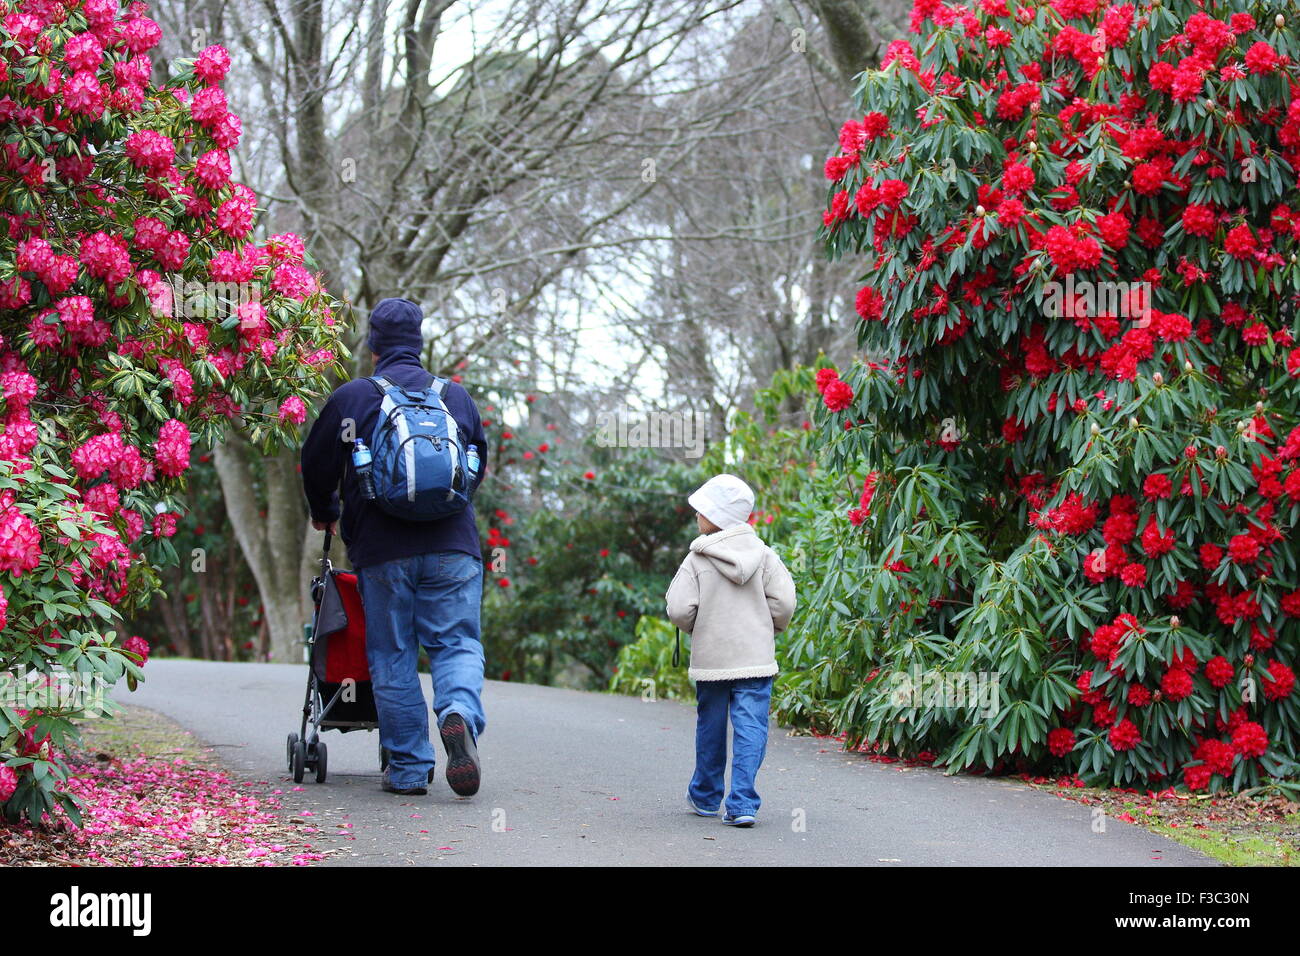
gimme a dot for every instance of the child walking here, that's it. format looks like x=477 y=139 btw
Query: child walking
x=731 y=594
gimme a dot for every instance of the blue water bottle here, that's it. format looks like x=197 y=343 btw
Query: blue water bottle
x=361 y=461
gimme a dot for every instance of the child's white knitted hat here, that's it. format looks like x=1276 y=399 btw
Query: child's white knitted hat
x=725 y=500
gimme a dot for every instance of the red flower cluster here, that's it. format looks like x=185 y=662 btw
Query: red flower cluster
x=1060 y=741
x=1124 y=735
x=1106 y=640
x=863 y=511
x=837 y=395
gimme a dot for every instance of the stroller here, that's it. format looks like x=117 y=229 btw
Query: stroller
x=339 y=694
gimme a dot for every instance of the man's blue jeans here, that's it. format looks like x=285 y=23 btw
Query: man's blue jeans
x=747 y=701
x=430 y=600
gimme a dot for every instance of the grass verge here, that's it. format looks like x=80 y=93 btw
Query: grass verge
x=1235 y=829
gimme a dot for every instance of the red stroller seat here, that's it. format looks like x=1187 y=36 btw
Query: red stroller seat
x=340 y=651
x=339 y=693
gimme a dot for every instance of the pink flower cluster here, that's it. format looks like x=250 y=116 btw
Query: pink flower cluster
x=171 y=247
x=138 y=645
x=292 y=409
x=108 y=452
x=20 y=542
x=172 y=450
x=150 y=151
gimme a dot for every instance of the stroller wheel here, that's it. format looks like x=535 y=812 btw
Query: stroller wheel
x=299 y=762
x=288 y=750
x=321 y=754
x=383 y=758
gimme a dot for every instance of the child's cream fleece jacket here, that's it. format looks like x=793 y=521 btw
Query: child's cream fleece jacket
x=731 y=594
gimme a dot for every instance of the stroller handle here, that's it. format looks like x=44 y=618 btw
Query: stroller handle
x=325 y=553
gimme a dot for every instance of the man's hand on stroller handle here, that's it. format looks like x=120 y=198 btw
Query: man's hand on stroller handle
x=327 y=526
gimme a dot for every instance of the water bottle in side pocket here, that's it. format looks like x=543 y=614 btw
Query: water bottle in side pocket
x=471 y=456
x=361 y=463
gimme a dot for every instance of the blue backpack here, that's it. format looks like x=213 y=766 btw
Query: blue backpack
x=420 y=467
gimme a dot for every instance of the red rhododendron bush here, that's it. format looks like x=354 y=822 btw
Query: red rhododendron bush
x=1075 y=431
x=137 y=317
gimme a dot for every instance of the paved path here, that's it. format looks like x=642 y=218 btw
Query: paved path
x=575 y=778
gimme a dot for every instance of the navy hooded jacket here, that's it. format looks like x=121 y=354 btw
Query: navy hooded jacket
x=373 y=536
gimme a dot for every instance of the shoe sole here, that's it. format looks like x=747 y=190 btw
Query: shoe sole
x=743 y=823
x=414 y=792
x=463 y=773
x=697 y=811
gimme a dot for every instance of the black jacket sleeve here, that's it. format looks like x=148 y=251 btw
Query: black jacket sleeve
x=478 y=438
x=470 y=423
x=324 y=456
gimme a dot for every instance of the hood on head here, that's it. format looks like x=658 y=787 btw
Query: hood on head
x=395 y=324
x=736 y=552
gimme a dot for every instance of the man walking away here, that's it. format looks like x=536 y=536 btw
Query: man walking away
x=416 y=555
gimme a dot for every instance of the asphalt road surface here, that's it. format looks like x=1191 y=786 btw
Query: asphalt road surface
x=573 y=778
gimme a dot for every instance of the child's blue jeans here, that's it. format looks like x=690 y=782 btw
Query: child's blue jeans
x=747 y=701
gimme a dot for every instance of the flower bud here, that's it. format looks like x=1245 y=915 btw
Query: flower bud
x=979 y=210
x=1241 y=426
x=1158 y=378
x=1259 y=408
x=1279 y=21
x=1096 y=429
x=1174 y=621
x=1209 y=103
x=1187 y=366
x=1249 y=660
x=1032 y=147
x=1190 y=451
x=1132 y=423
x=1220 y=453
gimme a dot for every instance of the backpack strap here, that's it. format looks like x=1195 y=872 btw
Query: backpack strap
x=383 y=385
x=439 y=386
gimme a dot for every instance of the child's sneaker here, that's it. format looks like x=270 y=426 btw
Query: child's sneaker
x=739 y=820
x=699 y=812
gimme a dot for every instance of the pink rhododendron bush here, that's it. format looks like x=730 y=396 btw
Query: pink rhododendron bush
x=137 y=317
x=1072 y=544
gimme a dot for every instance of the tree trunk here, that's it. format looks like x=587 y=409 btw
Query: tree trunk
x=857 y=30
x=270 y=534
x=172 y=611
